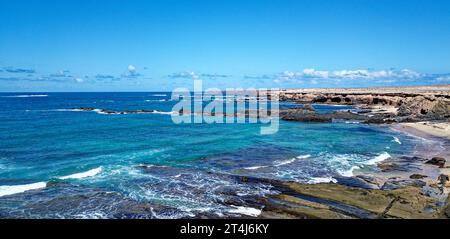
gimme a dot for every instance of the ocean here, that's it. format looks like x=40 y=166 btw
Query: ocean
x=58 y=162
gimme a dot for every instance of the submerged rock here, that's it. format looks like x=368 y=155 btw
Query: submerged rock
x=438 y=161
x=417 y=176
x=115 y=112
x=303 y=114
x=306 y=114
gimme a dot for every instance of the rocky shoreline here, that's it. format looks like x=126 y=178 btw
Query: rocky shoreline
x=380 y=105
x=411 y=186
x=407 y=187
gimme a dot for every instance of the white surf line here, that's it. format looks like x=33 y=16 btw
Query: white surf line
x=380 y=158
x=255 y=167
x=89 y=173
x=284 y=162
x=395 y=139
x=253 y=212
x=23 y=96
x=348 y=173
x=14 y=189
x=316 y=180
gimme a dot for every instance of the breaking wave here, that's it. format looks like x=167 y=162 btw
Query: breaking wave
x=89 y=173
x=13 y=189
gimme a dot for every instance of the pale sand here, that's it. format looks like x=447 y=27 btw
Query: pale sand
x=438 y=132
x=380 y=109
x=438 y=129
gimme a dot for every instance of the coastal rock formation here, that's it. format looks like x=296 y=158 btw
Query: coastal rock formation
x=401 y=164
x=438 y=161
x=402 y=199
x=114 y=112
x=417 y=176
x=338 y=201
x=303 y=115
x=396 y=184
x=393 y=104
x=308 y=114
x=421 y=107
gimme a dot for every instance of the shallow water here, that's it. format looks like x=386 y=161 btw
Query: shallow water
x=144 y=166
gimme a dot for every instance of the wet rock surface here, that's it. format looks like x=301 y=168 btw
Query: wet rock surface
x=438 y=161
x=308 y=114
x=338 y=201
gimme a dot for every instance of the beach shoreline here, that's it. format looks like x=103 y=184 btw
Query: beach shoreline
x=407 y=186
x=399 y=192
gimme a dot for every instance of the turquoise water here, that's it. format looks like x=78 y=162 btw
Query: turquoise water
x=89 y=165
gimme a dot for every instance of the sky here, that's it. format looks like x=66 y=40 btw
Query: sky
x=158 y=45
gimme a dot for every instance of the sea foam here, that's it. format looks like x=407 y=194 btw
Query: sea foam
x=395 y=139
x=348 y=173
x=24 y=96
x=316 y=180
x=378 y=159
x=255 y=167
x=163 y=112
x=86 y=174
x=13 y=189
x=253 y=212
x=289 y=161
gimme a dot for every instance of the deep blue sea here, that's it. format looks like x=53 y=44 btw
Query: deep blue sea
x=56 y=162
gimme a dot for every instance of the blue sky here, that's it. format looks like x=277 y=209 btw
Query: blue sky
x=113 y=45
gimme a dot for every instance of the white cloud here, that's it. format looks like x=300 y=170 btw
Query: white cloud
x=79 y=80
x=312 y=73
x=131 y=68
x=185 y=74
x=443 y=78
x=338 y=75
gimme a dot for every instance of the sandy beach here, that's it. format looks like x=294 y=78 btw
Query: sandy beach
x=438 y=129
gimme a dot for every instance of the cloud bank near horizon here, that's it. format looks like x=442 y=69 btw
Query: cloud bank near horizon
x=306 y=77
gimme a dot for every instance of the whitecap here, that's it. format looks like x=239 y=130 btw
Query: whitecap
x=348 y=173
x=161 y=100
x=255 y=167
x=303 y=156
x=289 y=161
x=86 y=174
x=69 y=110
x=380 y=158
x=316 y=180
x=24 y=96
x=395 y=139
x=13 y=189
x=284 y=162
x=163 y=112
x=249 y=211
x=159 y=95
